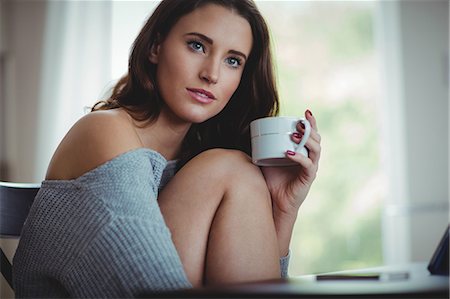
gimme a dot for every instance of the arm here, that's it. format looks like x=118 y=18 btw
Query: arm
x=290 y=186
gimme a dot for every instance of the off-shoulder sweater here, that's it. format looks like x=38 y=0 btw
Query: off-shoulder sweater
x=101 y=234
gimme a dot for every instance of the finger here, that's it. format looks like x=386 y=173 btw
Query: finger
x=300 y=126
x=313 y=135
x=314 y=150
x=310 y=169
x=296 y=137
x=305 y=162
x=312 y=120
x=312 y=145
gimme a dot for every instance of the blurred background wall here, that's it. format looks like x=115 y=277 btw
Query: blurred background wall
x=22 y=26
x=55 y=56
x=374 y=73
x=414 y=43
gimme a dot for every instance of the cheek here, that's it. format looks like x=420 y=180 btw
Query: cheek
x=171 y=76
x=167 y=69
x=233 y=80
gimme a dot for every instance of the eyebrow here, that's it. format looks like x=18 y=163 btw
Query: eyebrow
x=211 y=42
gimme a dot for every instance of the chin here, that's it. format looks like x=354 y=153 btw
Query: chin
x=196 y=116
x=198 y=119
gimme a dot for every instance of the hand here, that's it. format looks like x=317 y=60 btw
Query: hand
x=289 y=186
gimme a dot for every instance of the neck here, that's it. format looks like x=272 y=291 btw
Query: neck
x=165 y=135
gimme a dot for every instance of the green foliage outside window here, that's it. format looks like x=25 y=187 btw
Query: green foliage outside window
x=326 y=61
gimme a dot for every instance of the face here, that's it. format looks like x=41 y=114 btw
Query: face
x=201 y=61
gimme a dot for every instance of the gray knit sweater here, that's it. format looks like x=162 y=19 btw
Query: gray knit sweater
x=101 y=235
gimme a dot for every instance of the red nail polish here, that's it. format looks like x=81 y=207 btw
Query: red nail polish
x=290 y=153
x=296 y=135
x=309 y=112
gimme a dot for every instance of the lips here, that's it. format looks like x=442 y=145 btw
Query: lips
x=201 y=95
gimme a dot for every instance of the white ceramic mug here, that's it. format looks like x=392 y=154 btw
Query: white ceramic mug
x=271 y=138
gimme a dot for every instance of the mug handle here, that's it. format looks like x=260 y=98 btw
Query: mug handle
x=305 y=135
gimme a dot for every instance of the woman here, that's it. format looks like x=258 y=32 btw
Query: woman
x=115 y=218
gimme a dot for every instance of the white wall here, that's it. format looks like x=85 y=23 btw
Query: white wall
x=415 y=45
x=24 y=28
x=56 y=60
x=426 y=98
x=2 y=96
x=2 y=27
x=76 y=63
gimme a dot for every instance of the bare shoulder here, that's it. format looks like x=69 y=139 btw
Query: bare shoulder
x=95 y=139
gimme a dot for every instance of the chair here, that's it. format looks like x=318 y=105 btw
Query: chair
x=15 y=202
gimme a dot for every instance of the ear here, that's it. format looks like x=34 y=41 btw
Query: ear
x=154 y=51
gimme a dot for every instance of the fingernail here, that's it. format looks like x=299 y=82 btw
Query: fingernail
x=309 y=112
x=296 y=135
x=301 y=124
x=290 y=153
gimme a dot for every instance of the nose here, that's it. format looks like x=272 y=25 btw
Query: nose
x=210 y=71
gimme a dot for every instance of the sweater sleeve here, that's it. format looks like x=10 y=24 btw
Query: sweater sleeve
x=101 y=235
x=284 y=265
x=134 y=252
x=128 y=258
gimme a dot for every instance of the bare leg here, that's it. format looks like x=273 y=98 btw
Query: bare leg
x=219 y=211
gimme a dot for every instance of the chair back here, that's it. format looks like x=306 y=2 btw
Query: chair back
x=15 y=203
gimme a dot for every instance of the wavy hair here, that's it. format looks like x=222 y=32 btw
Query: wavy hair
x=255 y=97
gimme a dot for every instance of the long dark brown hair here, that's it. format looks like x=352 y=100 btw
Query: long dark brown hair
x=255 y=97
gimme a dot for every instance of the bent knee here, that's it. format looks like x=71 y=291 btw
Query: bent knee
x=231 y=174
x=229 y=161
x=235 y=167
x=226 y=155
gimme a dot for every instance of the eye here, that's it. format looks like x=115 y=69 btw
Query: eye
x=196 y=46
x=234 y=62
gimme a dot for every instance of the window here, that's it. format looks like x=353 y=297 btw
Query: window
x=327 y=62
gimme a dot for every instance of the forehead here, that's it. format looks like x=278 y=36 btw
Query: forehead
x=224 y=26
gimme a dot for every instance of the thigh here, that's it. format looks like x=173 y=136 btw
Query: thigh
x=190 y=201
